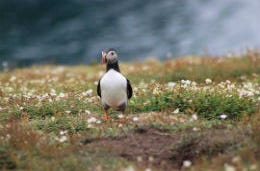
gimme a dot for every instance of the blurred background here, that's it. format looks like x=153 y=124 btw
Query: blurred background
x=75 y=31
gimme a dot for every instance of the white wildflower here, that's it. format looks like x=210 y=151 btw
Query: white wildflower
x=223 y=116
x=208 y=81
x=52 y=118
x=87 y=112
x=150 y=158
x=44 y=96
x=194 y=117
x=221 y=85
x=90 y=126
x=228 y=82
x=12 y=79
x=230 y=86
x=193 y=83
x=92 y=120
x=253 y=167
x=171 y=84
x=88 y=92
x=53 y=92
x=148 y=169
x=98 y=121
x=120 y=116
x=242 y=93
x=67 y=111
x=147 y=102
x=176 y=111
x=236 y=159
x=135 y=119
x=61 y=95
x=63 y=139
x=250 y=94
x=135 y=89
x=130 y=168
x=156 y=91
x=63 y=132
x=187 y=163
x=229 y=167
x=248 y=85
x=186 y=82
x=139 y=158
x=8 y=136
x=195 y=129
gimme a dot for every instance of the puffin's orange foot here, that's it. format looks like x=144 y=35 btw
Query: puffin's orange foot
x=107 y=118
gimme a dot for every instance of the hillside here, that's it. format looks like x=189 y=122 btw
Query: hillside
x=190 y=113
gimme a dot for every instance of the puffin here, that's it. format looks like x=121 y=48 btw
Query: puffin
x=113 y=88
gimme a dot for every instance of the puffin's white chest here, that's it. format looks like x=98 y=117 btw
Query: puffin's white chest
x=113 y=88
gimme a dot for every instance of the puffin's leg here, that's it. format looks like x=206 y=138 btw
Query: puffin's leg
x=122 y=108
x=106 y=115
x=106 y=107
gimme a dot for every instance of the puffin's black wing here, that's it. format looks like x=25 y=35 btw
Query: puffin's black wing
x=129 y=89
x=98 y=89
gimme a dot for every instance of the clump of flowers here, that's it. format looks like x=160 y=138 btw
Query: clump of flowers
x=208 y=101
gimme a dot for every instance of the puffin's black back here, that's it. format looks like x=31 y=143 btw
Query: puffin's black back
x=129 y=89
x=113 y=65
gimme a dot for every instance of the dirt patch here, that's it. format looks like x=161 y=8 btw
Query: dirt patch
x=158 y=148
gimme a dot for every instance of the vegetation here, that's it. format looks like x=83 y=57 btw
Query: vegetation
x=190 y=113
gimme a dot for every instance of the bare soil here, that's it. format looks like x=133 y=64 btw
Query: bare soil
x=150 y=146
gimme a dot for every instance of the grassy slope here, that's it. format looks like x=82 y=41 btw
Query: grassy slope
x=48 y=112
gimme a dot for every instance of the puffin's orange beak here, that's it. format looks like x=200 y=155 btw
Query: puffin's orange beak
x=103 y=58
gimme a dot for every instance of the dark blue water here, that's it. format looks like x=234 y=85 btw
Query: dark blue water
x=75 y=31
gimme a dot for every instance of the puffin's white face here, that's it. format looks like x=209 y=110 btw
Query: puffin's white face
x=109 y=56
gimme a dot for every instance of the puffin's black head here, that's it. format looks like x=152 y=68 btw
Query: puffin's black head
x=109 y=55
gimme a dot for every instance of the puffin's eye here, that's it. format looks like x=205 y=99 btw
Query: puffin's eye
x=112 y=53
